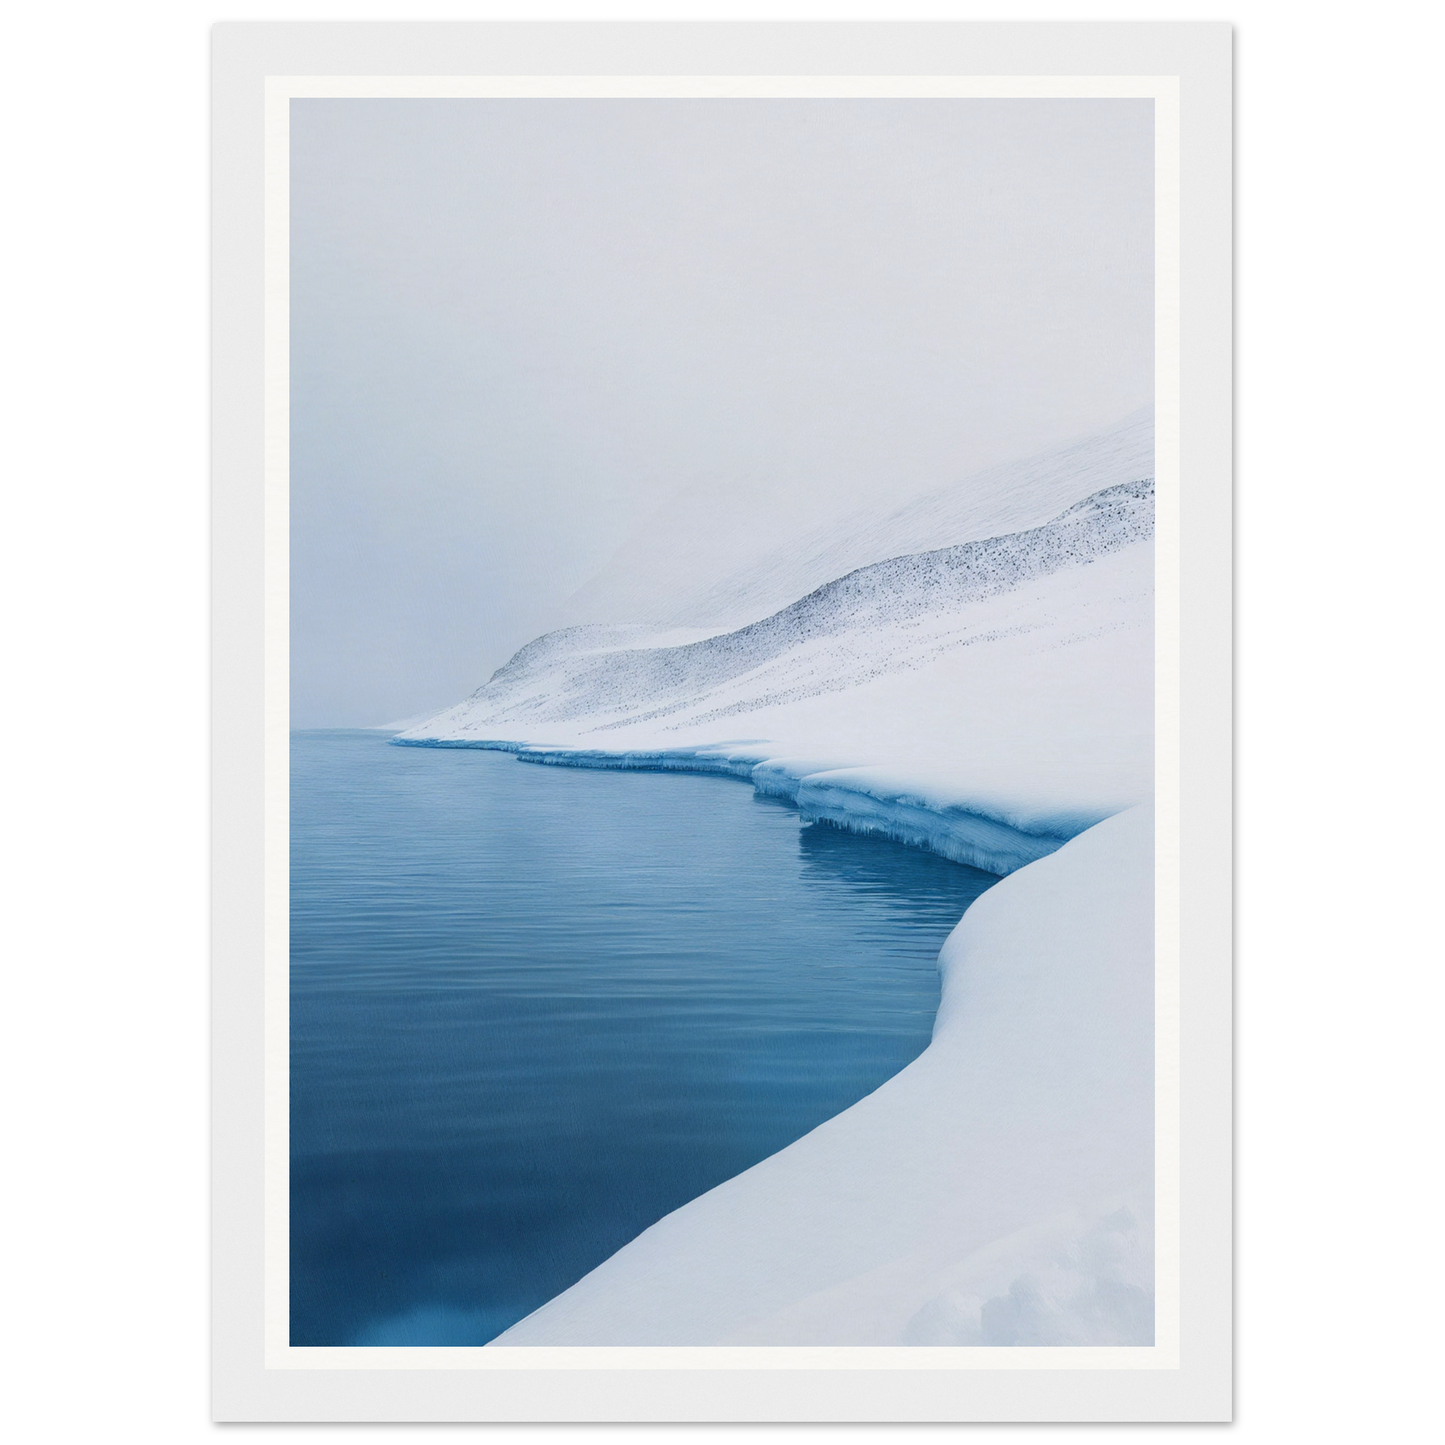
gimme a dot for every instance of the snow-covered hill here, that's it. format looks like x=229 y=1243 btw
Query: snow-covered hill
x=721 y=571
x=875 y=620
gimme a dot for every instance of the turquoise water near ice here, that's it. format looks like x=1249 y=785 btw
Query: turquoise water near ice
x=535 y=1009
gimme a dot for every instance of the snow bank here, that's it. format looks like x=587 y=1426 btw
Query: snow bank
x=966 y=826
x=863 y=801
x=997 y=1191
x=993 y=837
x=730 y=763
x=783 y=777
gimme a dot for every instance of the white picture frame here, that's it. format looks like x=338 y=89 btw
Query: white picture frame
x=1185 y=69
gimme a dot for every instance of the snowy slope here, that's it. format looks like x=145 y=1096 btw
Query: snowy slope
x=997 y=1191
x=732 y=569
x=837 y=636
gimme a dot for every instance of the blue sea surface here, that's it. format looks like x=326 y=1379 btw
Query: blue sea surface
x=534 y=1009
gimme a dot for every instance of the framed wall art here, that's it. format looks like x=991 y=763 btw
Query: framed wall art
x=722 y=722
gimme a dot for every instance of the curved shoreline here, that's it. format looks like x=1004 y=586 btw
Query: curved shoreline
x=857 y=799
x=998 y=1189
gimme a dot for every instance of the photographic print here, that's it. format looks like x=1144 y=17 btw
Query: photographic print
x=722 y=721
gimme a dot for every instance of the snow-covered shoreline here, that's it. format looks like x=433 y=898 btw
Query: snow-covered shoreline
x=999 y=1190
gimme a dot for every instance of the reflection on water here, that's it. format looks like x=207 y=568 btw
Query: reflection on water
x=535 y=1009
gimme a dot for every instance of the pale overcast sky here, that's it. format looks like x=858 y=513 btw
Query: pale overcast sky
x=519 y=327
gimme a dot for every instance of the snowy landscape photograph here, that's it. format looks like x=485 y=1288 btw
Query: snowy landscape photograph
x=722 y=706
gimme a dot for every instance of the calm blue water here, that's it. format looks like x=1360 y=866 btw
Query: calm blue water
x=535 y=1009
